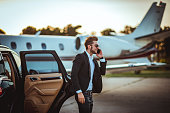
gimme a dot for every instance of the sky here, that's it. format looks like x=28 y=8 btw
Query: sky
x=93 y=15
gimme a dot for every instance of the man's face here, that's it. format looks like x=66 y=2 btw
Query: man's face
x=94 y=47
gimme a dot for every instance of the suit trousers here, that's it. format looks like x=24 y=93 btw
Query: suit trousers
x=88 y=105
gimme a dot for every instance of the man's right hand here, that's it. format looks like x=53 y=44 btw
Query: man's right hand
x=81 y=98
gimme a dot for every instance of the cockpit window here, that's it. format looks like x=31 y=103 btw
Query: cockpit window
x=43 y=45
x=29 y=46
x=78 y=43
x=13 y=45
x=61 y=46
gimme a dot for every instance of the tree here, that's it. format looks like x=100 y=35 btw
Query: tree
x=29 y=30
x=2 y=31
x=107 y=32
x=70 y=30
x=165 y=28
x=128 y=29
x=57 y=31
x=163 y=54
x=167 y=49
x=167 y=45
x=50 y=31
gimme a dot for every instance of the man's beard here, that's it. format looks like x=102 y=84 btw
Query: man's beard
x=92 y=51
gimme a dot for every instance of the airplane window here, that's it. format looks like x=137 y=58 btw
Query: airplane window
x=77 y=43
x=61 y=46
x=29 y=46
x=43 y=45
x=13 y=45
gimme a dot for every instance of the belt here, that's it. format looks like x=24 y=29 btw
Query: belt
x=89 y=92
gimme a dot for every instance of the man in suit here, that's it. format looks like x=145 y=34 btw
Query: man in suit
x=86 y=74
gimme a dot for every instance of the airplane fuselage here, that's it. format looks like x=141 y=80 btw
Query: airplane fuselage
x=113 y=47
x=65 y=46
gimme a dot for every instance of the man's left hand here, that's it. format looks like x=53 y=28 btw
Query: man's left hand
x=100 y=55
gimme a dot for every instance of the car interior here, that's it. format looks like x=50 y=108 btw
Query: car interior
x=9 y=70
x=40 y=91
x=42 y=83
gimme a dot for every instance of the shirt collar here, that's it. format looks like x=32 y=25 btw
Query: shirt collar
x=90 y=57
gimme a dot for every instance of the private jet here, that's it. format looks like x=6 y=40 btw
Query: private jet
x=123 y=53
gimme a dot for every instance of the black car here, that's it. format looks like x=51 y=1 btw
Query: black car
x=40 y=85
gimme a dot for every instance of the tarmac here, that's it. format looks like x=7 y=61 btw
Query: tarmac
x=128 y=95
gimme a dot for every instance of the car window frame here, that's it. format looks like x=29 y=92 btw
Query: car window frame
x=56 y=57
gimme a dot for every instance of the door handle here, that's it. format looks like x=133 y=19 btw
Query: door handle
x=51 y=78
x=33 y=79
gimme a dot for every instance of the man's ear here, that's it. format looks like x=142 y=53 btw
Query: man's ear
x=89 y=47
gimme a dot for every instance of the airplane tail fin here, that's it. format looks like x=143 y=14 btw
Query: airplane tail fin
x=152 y=20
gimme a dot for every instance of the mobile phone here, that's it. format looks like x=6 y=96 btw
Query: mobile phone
x=98 y=51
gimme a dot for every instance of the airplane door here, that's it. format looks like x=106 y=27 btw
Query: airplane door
x=45 y=81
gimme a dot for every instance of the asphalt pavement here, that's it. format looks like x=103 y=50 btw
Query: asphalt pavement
x=128 y=95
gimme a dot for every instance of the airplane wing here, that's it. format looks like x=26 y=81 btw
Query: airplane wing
x=159 y=36
x=123 y=67
x=132 y=67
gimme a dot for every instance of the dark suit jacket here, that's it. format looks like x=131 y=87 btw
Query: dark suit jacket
x=80 y=74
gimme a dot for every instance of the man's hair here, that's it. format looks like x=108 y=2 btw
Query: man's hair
x=89 y=40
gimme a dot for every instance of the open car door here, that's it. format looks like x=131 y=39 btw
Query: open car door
x=46 y=84
x=10 y=87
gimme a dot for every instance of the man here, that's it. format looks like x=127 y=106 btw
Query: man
x=86 y=75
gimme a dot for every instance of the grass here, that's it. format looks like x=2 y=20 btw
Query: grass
x=144 y=73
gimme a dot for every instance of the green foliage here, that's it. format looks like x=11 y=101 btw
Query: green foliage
x=29 y=30
x=128 y=29
x=69 y=30
x=107 y=32
x=164 y=48
x=167 y=50
x=50 y=31
x=165 y=28
x=2 y=31
x=144 y=73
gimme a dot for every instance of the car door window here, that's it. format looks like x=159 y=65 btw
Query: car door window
x=41 y=64
x=43 y=80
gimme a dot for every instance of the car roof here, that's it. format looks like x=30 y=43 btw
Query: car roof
x=15 y=55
